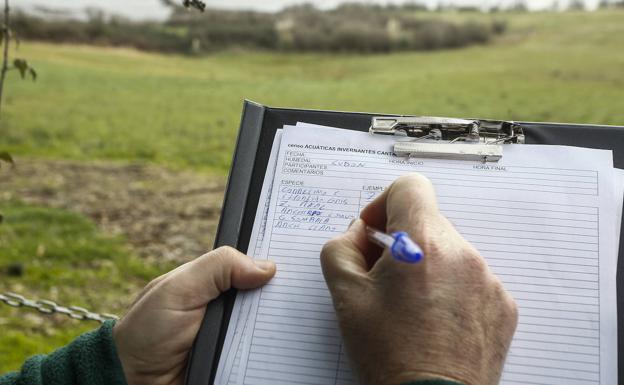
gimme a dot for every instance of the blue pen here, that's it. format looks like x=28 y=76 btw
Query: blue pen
x=401 y=246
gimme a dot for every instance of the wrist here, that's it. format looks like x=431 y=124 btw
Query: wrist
x=420 y=378
x=126 y=365
x=438 y=381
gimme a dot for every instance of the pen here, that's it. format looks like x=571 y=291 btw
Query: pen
x=401 y=246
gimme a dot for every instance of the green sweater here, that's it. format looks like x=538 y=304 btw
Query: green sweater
x=91 y=360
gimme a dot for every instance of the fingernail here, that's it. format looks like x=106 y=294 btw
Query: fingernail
x=264 y=264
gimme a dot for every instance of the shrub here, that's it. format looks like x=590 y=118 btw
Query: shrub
x=499 y=27
x=348 y=28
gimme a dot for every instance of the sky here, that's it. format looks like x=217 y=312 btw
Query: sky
x=152 y=9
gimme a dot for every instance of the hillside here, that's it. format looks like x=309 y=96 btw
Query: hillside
x=94 y=103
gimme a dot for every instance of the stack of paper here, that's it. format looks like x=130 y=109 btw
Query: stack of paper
x=543 y=217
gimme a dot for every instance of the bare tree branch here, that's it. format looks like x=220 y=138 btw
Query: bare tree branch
x=197 y=4
x=6 y=39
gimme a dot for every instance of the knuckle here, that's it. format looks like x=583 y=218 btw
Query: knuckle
x=347 y=310
x=474 y=263
x=511 y=307
x=223 y=254
x=170 y=284
x=222 y=264
x=329 y=249
x=153 y=283
x=225 y=251
x=413 y=180
x=431 y=246
x=498 y=289
x=411 y=195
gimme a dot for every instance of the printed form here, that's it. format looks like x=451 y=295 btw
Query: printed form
x=542 y=217
x=227 y=371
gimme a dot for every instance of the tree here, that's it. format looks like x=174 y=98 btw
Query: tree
x=5 y=157
x=576 y=5
x=197 y=4
x=18 y=64
x=518 y=6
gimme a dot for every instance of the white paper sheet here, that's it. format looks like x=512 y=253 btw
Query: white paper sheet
x=227 y=370
x=619 y=200
x=542 y=217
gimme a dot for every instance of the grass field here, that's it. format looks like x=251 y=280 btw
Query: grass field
x=183 y=113
x=65 y=256
x=125 y=105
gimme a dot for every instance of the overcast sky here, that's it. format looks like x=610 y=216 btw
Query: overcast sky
x=152 y=9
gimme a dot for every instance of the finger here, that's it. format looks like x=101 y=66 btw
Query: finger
x=411 y=206
x=202 y=280
x=412 y=193
x=343 y=257
x=153 y=283
x=231 y=268
x=374 y=214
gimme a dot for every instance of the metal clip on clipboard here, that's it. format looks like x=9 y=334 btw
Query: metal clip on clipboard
x=449 y=138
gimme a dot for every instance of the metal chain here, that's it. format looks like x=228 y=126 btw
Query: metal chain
x=49 y=307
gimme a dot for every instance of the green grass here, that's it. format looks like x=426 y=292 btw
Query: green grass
x=184 y=112
x=65 y=258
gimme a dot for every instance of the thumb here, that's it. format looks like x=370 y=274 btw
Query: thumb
x=252 y=273
x=203 y=279
x=343 y=257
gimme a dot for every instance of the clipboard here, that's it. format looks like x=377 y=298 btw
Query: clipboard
x=258 y=126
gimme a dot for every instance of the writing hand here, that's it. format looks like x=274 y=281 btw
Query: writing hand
x=446 y=317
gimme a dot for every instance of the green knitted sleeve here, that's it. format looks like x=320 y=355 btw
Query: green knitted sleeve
x=91 y=359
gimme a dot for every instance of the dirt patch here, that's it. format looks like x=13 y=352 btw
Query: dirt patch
x=164 y=214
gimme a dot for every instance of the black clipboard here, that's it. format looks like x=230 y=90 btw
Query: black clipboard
x=253 y=147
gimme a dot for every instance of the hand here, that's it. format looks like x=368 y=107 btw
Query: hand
x=153 y=340
x=447 y=317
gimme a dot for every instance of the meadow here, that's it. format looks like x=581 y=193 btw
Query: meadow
x=93 y=103
x=181 y=113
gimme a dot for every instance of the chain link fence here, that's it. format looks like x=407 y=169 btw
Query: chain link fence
x=50 y=307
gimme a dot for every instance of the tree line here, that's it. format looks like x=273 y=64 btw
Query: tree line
x=354 y=28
